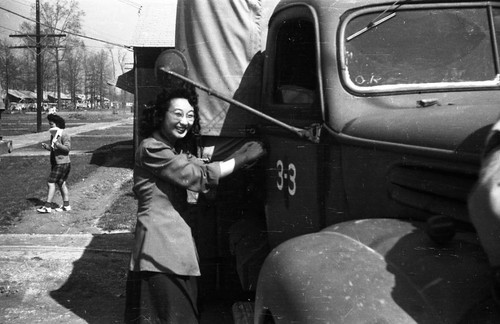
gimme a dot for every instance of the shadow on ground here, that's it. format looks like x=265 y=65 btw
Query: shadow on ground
x=119 y=155
x=95 y=289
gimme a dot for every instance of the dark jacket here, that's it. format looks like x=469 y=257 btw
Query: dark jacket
x=163 y=239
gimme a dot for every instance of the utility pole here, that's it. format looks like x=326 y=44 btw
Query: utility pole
x=58 y=80
x=39 y=80
x=7 y=103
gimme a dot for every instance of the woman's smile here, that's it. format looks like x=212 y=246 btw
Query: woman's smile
x=178 y=120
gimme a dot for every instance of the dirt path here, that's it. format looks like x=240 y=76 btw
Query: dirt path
x=90 y=200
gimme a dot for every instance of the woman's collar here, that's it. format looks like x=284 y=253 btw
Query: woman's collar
x=159 y=137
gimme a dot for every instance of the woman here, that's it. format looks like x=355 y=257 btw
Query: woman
x=164 y=256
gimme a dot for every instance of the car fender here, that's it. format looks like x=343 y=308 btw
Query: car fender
x=373 y=271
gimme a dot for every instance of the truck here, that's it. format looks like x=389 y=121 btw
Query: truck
x=374 y=114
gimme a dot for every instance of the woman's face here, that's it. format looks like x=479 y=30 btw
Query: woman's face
x=178 y=120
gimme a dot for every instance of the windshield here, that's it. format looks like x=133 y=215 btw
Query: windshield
x=434 y=47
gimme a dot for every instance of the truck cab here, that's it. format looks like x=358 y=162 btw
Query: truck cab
x=367 y=215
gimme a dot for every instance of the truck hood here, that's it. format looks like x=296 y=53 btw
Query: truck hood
x=454 y=127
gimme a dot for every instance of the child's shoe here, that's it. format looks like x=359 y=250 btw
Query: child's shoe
x=44 y=210
x=63 y=208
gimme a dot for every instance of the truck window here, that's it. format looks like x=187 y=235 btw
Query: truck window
x=295 y=64
x=439 y=47
x=496 y=21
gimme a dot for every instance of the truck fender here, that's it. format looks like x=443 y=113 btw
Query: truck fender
x=372 y=271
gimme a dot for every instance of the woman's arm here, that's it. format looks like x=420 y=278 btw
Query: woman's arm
x=180 y=169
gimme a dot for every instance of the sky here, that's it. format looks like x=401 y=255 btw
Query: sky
x=108 y=20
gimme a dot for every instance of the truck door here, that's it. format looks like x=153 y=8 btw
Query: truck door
x=292 y=94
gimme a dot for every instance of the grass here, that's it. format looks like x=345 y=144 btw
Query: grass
x=26 y=123
x=118 y=216
x=112 y=131
x=80 y=143
x=24 y=181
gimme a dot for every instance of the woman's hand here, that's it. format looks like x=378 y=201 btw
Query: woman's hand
x=45 y=146
x=252 y=151
x=245 y=156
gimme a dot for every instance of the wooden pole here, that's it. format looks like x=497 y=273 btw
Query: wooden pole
x=39 y=80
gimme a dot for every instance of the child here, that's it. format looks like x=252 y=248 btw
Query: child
x=59 y=147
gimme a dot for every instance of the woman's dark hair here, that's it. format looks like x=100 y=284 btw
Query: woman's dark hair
x=58 y=120
x=154 y=115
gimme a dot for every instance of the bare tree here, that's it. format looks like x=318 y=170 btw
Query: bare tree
x=67 y=65
x=9 y=68
x=98 y=71
x=118 y=58
x=73 y=69
x=122 y=58
x=104 y=72
x=62 y=16
x=56 y=17
x=113 y=64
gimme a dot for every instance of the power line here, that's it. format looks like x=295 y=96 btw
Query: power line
x=22 y=3
x=89 y=28
x=7 y=28
x=132 y=4
x=67 y=32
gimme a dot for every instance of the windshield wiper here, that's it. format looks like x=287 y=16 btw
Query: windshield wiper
x=377 y=21
x=371 y=25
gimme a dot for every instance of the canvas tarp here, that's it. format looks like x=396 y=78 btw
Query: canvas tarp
x=52 y=96
x=126 y=81
x=223 y=43
x=16 y=95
